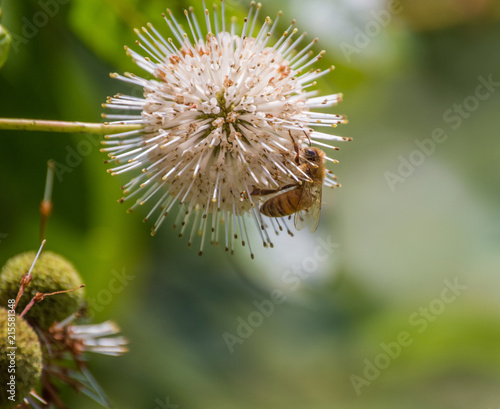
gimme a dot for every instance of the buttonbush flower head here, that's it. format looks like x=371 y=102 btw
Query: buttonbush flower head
x=223 y=113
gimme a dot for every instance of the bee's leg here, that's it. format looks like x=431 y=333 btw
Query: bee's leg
x=296 y=147
x=297 y=156
x=264 y=192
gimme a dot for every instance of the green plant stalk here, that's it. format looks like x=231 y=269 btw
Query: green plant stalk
x=19 y=124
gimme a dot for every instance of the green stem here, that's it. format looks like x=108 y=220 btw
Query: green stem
x=18 y=124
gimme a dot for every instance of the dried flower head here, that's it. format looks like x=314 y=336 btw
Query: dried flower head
x=65 y=357
x=92 y=338
x=224 y=115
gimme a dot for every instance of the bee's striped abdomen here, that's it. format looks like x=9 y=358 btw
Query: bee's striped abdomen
x=284 y=204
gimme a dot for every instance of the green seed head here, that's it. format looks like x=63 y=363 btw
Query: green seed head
x=51 y=273
x=19 y=371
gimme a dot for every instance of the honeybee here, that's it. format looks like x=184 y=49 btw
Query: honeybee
x=302 y=199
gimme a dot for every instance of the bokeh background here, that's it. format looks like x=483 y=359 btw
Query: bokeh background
x=406 y=224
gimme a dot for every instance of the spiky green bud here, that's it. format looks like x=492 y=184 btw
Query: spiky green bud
x=51 y=273
x=20 y=368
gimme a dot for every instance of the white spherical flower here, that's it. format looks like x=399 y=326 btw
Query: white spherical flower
x=224 y=115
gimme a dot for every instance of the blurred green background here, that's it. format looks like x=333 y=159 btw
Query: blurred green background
x=407 y=224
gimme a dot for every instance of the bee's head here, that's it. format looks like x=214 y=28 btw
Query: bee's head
x=313 y=154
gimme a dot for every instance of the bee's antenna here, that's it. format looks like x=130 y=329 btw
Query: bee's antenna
x=308 y=138
x=46 y=204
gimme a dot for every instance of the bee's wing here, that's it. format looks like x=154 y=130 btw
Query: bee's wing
x=309 y=216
